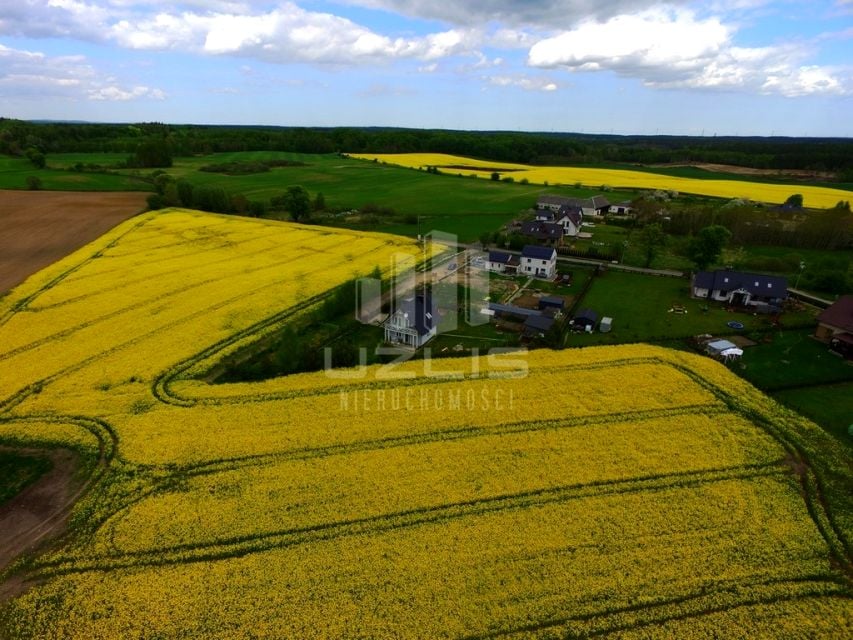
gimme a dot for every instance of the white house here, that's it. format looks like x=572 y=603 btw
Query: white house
x=622 y=208
x=570 y=218
x=502 y=262
x=595 y=206
x=739 y=288
x=540 y=262
x=413 y=323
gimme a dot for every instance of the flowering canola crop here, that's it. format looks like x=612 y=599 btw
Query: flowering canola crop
x=813 y=196
x=608 y=491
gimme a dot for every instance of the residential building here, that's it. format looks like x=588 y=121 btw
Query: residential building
x=740 y=289
x=503 y=262
x=835 y=325
x=543 y=232
x=621 y=208
x=540 y=262
x=595 y=206
x=413 y=322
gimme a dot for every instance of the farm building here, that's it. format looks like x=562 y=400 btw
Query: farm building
x=537 y=326
x=741 y=289
x=595 y=206
x=585 y=320
x=540 y=262
x=835 y=326
x=551 y=302
x=621 y=208
x=605 y=325
x=543 y=232
x=413 y=322
x=503 y=262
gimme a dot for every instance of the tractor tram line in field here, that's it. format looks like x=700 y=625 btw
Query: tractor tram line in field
x=689 y=470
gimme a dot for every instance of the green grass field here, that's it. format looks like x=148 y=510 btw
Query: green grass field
x=831 y=406
x=19 y=471
x=14 y=173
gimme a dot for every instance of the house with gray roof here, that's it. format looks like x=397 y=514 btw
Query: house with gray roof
x=540 y=262
x=543 y=232
x=503 y=262
x=740 y=289
x=595 y=206
x=414 y=321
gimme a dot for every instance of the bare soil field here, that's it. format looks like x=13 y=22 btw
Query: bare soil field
x=750 y=171
x=38 y=228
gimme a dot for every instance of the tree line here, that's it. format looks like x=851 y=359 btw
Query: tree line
x=817 y=154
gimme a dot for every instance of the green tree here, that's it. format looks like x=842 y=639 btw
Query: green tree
x=795 y=200
x=496 y=176
x=36 y=157
x=706 y=246
x=33 y=183
x=320 y=202
x=652 y=239
x=296 y=202
x=485 y=238
x=151 y=153
x=185 y=193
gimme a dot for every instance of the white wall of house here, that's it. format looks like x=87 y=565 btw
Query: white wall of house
x=497 y=267
x=539 y=268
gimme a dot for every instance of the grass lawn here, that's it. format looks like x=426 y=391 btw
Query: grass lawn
x=830 y=406
x=18 y=471
x=792 y=359
x=14 y=173
x=639 y=305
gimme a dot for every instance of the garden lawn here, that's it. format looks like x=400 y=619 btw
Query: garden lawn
x=639 y=305
x=831 y=406
x=792 y=359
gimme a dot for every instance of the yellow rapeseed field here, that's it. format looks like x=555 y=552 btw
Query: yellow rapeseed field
x=817 y=197
x=616 y=491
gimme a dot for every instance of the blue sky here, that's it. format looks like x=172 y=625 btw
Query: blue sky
x=725 y=67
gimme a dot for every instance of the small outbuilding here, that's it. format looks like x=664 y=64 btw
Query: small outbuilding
x=537 y=326
x=551 y=302
x=605 y=325
x=717 y=347
x=585 y=320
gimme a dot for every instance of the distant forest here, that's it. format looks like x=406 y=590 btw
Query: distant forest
x=812 y=154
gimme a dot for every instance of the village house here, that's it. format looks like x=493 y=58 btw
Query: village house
x=835 y=326
x=413 y=322
x=741 y=289
x=503 y=262
x=540 y=262
x=543 y=232
x=595 y=206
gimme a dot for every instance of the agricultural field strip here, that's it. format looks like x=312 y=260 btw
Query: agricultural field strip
x=727 y=597
x=162 y=295
x=814 y=196
x=240 y=546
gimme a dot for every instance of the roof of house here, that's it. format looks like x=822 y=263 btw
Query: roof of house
x=538 y=253
x=754 y=283
x=503 y=257
x=572 y=212
x=555 y=200
x=542 y=230
x=420 y=311
x=511 y=308
x=586 y=314
x=545 y=214
x=600 y=202
x=538 y=323
x=624 y=204
x=840 y=314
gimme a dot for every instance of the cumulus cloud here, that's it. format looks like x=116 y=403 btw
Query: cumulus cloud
x=283 y=33
x=671 y=49
x=547 y=13
x=34 y=74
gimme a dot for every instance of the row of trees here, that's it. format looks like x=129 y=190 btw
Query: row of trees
x=829 y=154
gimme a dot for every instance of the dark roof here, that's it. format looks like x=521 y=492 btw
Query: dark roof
x=503 y=257
x=420 y=310
x=512 y=309
x=538 y=253
x=840 y=314
x=557 y=200
x=573 y=213
x=545 y=214
x=587 y=315
x=600 y=202
x=538 y=323
x=552 y=301
x=754 y=283
x=542 y=230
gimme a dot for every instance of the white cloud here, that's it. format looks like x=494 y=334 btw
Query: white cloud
x=528 y=83
x=545 y=13
x=34 y=74
x=671 y=49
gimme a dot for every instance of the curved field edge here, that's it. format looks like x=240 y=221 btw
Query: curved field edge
x=813 y=196
x=821 y=467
